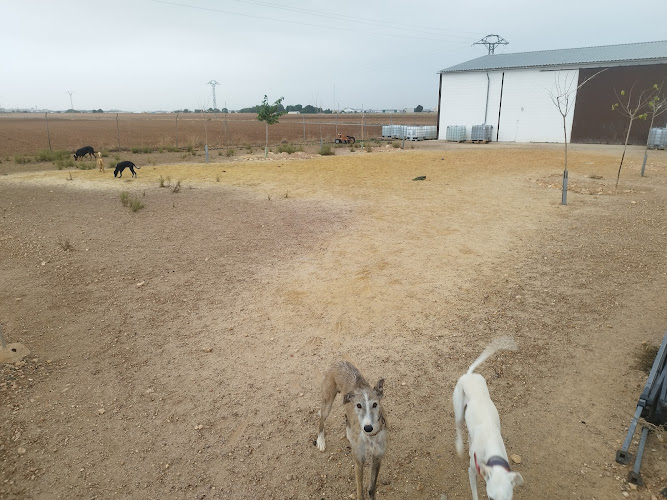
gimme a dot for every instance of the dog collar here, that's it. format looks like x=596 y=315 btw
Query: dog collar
x=493 y=461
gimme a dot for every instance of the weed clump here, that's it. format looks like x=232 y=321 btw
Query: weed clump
x=129 y=201
x=164 y=181
x=288 y=148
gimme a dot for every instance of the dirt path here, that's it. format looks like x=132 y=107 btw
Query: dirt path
x=177 y=351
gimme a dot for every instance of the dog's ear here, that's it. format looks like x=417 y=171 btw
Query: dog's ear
x=348 y=397
x=379 y=388
x=517 y=479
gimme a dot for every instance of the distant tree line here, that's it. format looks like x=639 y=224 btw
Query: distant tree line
x=308 y=109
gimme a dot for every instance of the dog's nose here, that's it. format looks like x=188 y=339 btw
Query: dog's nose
x=368 y=428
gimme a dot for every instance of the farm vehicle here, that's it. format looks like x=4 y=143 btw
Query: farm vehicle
x=345 y=139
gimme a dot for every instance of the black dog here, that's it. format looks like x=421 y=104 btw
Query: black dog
x=86 y=150
x=122 y=166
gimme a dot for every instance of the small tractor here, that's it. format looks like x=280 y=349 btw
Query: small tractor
x=345 y=139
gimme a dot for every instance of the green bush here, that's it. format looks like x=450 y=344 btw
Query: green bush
x=142 y=150
x=64 y=163
x=288 y=148
x=327 y=150
x=85 y=165
x=230 y=152
x=21 y=159
x=396 y=144
x=53 y=156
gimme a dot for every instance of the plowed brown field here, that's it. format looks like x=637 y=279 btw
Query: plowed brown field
x=28 y=133
x=177 y=351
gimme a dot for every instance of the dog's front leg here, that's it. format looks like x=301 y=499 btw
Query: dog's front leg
x=472 y=475
x=359 y=473
x=375 y=469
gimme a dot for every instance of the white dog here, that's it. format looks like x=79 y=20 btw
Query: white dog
x=488 y=457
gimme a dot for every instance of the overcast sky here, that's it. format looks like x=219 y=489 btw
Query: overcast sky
x=148 y=55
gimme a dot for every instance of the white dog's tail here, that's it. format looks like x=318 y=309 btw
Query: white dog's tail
x=499 y=344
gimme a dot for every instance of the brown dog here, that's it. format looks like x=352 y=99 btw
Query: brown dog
x=366 y=427
x=100 y=162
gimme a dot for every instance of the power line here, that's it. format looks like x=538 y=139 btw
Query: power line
x=440 y=36
x=330 y=15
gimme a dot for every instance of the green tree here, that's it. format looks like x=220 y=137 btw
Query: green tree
x=419 y=109
x=269 y=114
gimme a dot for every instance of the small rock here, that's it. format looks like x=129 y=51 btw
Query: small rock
x=420 y=486
x=443 y=496
x=625 y=494
x=207 y=349
x=199 y=427
x=101 y=411
x=21 y=451
x=516 y=458
x=633 y=486
x=140 y=284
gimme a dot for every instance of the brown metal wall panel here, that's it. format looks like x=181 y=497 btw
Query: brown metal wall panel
x=595 y=122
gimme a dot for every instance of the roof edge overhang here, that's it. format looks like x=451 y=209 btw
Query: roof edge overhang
x=559 y=67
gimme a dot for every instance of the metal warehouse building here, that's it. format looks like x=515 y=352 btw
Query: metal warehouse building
x=510 y=92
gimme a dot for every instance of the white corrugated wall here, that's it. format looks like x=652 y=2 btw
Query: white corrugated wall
x=527 y=113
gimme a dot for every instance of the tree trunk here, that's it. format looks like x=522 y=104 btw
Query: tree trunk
x=564 y=188
x=625 y=147
x=646 y=149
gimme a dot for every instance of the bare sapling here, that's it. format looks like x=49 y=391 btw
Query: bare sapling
x=657 y=106
x=632 y=110
x=563 y=96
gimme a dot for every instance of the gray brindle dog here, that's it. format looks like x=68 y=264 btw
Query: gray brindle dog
x=366 y=427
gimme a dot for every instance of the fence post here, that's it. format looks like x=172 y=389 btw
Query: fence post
x=46 y=117
x=176 y=130
x=117 y=132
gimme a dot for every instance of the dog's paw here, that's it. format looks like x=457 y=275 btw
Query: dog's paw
x=320 y=443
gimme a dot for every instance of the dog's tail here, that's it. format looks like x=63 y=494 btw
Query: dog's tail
x=499 y=344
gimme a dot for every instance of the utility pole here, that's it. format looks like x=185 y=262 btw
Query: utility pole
x=491 y=42
x=213 y=83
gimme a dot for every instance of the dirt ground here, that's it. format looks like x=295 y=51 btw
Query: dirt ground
x=177 y=351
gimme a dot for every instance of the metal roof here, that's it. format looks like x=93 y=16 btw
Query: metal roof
x=603 y=56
